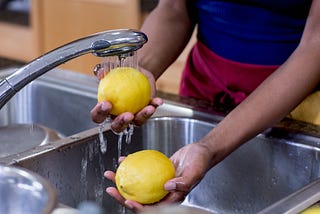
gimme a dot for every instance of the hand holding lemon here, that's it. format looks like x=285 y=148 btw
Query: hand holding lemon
x=142 y=175
x=126 y=88
x=191 y=164
x=123 y=81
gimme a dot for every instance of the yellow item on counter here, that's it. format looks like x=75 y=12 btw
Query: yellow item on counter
x=126 y=88
x=315 y=209
x=142 y=175
x=308 y=110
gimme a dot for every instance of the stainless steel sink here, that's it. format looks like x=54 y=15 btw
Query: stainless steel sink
x=60 y=100
x=272 y=166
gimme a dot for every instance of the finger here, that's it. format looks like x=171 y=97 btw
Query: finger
x=134 y=206
x=110 y=175
x=100 y=112
x=114 y=193
x=173 y=197
x=178 y=184
x=121 y=158
x=144 y=115
x=121 y=122
x=156 y=102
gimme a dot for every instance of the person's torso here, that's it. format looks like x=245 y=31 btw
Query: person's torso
x=263 y=32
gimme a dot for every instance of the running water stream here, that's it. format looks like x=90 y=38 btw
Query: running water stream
x=127 y=133
x=108 y=64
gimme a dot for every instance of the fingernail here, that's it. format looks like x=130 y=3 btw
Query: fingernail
x=170 y=186
x=149 y=112
x=128 y=205
x=103 y=107
x=108 y=190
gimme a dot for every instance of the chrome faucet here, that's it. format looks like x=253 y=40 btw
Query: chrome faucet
x=109 y=43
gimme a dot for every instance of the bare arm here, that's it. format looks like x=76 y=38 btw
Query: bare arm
x=268 y=104
x=275 y=97
x=169 y=29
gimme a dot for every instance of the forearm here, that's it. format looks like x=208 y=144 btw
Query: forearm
x=274 y=98
x=169 y=29
x=268 y=104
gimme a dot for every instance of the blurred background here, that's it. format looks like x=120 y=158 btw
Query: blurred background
x=30 y=28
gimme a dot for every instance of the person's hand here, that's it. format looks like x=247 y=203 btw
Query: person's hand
x=191 y=163
x=101 y=111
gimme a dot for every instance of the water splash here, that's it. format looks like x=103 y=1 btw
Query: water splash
x=83 y=175
x=99 y=185
x=129 y=133
x=103 y=141
x=122 y=210
x=88 y=166
x=120 y=144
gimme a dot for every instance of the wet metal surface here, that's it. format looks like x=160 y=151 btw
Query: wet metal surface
x=22 y=191
x=18 y=138
x=268 y=168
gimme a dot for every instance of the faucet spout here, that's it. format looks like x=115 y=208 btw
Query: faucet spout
x=108 y=43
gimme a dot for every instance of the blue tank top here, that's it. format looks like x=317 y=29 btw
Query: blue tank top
x=263 y=32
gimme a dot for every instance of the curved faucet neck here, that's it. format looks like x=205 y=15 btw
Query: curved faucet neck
x=108 y=43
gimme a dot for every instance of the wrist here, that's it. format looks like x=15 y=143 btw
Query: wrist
x=216 y=147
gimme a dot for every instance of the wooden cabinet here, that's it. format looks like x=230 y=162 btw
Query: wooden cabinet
x=61 y=21
x=16 y=42
x=57 y=22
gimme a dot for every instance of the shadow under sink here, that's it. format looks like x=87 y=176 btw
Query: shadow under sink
x=266 y=169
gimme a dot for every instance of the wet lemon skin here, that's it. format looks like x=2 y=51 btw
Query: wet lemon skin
x=126 y=88
x=312 y=210
x=142 y=175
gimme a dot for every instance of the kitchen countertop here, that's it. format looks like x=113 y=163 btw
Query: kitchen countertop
x=6 y=63
x=6 y=66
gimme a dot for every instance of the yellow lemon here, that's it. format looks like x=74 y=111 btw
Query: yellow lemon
x=126 y=88
x=142 y=175
x=312 y=210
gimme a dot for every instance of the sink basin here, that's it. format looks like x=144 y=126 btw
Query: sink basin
x=60 y=100
x=255 y=176
x=270 y=167
x=48 y=108
x=22 y=191
x=17 y=138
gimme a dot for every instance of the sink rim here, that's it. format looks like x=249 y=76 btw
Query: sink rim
x=42 y=136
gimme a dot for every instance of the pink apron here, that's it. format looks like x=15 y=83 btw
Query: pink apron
x=220 y=81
